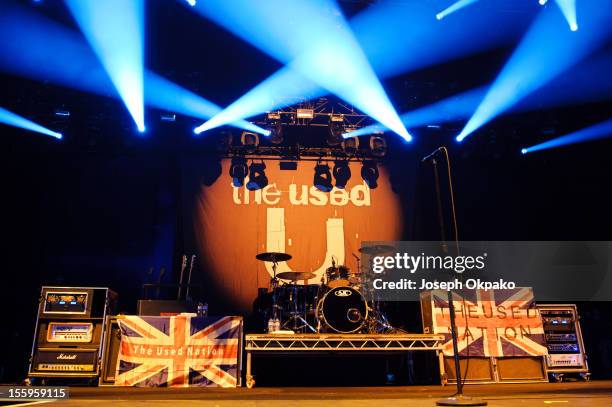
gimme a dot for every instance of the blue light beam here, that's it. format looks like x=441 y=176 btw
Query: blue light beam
x=396 y=36
x=454 y=7
x=315 y=40
x=115 y=31
x=595 y=132
x=456 y=107
x=44 y=50
x=568 y=8
x=545 y=52
x=270 y=94
x=12 y=119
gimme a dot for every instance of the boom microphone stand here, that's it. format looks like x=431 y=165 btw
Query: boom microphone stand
x=458 y=399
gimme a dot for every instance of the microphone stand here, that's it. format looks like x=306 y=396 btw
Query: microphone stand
x=457 y=399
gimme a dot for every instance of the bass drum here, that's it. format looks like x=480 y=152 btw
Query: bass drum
x=343 y=310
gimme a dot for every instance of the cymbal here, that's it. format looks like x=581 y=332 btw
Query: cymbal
x=377 y=249
x=295 y=275
x=273 y=256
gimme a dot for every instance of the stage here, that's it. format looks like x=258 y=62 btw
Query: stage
x=593 y=394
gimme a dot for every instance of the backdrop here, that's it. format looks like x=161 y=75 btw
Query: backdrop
x=232 y=224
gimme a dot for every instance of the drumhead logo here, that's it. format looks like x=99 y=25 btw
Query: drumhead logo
x=343 y=293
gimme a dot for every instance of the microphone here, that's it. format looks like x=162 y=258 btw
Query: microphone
x=432 y=155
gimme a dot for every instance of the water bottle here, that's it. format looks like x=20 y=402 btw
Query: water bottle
x=271 y=325
x=277 y=324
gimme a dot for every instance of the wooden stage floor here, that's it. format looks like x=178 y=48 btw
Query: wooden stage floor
x=592 y=394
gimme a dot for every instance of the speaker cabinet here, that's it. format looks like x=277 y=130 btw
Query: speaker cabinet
x=69 y=333
x=480 y=370
x=110 y=351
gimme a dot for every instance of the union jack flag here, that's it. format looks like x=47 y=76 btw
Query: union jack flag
x=179 y=351
x=490 y=322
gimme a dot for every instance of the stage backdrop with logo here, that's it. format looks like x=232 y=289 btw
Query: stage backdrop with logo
x=232 y=224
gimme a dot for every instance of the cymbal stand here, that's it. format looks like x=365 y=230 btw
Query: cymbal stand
x=296 y=316
x=274 y=287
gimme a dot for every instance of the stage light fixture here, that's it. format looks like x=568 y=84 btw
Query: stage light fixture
x=370 y=173
x=542 y=2
x=595 y=132
x=454 y=7
x=342 y=173
x=257 y=176
x=192 y=3
x=62 y=113
x=276 y=133
x=225 y=141
x=323 y=178
x=336 y=131
x=350 y=145
x=304 y=113
x=378 y=146
x=238 y=171
x=13 y=119
x=167 y=117
x=250 y=141
x=273 y=116
x=523 y=151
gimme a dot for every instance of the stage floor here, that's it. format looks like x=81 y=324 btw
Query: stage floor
x=592 y=394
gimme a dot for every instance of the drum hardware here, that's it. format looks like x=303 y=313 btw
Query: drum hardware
x=297 y=319
x=376 y=250
x=344 y=302
x=274 y=258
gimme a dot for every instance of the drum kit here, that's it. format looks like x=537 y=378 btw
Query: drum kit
x=342 y=303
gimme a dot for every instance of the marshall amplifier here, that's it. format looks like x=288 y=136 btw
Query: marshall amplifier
x=66 y=360
x=69 y=333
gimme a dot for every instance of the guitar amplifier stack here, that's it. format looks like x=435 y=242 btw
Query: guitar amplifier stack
x=69 y=333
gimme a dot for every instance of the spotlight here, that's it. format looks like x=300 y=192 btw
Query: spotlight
x=322 y=178
x=336 y=130
x=141 y=128
x=542 y=2
x=257 y=176
x=167 y=117
x=238 y=171
x=62 y=112
x=350 y=145
x=305 y=113
x=192 y=3
x=225 y=142
x=574 y=27
x=276 y=133
x=342 y=173
x=273 y=116
x=523 y=151
x=439 y=16
x=370 y=174
x=249 y=140
x=378 y=146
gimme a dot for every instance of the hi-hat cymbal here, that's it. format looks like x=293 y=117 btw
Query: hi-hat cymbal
x=295 y=275
x=274 y=257
x=377 y=249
